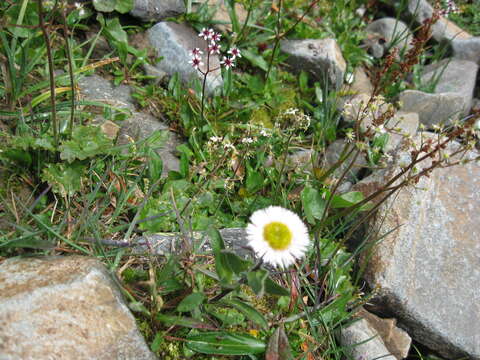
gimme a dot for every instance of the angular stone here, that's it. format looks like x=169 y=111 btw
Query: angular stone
x=96 y=88
x=452 y=75
x=403 y=125
x=140 y=126
x=467 y=49
x=221 y=18
x=387 y=33
x=162 y=243
x=156 y=10
x=433 y=108
x=395 y=339
x=443 y=29
x=332 y=155
x=320 y=57
x=361 y=108
x=361 y=83
x=363 y=343
x=426 y=268
x=174 y=42
x=65 y=308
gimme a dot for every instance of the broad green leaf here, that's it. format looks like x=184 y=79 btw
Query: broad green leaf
x=347 y=199
x=236 y=264
x=104 y=5
x=138 y=307
x=250 y=312
x=191 y=302
x=221 y=265
x=65 y=179
x=124 y=6
x=170 y=320
x=272 y=288
x=313 y=204
x=256 y=280
x=223 y=343
x=254 y=180
x=255 y=60
x=228 y=316
x=155 y=166
x=278 y=346
x=86 y=142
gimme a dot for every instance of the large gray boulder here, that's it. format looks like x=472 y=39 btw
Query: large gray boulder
x=65 y=308
x=137 y=126
x=426 y=268
x=174 y=42
x=387 y=33
x=453 y=81
x=467 y=49
x=443 y=29
x=156 y=10
x=322 y=58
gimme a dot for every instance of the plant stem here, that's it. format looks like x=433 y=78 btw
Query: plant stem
x=70 y=69
x=50 y=71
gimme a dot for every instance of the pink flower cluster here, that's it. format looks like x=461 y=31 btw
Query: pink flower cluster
x=213 y=39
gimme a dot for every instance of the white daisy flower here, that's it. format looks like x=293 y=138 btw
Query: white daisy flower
x=277 y=235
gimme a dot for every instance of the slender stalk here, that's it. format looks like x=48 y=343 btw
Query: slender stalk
x=50 y=71
x=277 y=39
x=68 y=51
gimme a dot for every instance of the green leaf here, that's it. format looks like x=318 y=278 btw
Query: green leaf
x=235 y=263
x=170 y=320
x=347 y=199
x=65 y=179
x=250 y=312
x=221 y=265
x=86 y=142
x=223 y=343
x=104 y=5
x=272 y=288
x=313 y=204
x=157 y=342
x=256 y=280
x=155 y=166
x=138 y=307
x=254 y=180
x=124 y=6
x=278 y=346
x=191 y=302
x=255 y=60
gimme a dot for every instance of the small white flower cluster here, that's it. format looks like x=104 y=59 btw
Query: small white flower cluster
x=213 y=39
x=449 y=7
x=295 y=119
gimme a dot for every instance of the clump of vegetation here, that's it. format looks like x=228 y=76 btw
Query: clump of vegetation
x=89 y=194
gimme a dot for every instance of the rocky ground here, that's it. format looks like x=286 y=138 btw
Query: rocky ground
x=423 y=264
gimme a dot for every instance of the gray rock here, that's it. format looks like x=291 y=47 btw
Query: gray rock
x=426 y=268
x=362 y=108
x=156 y=10
x=433 y=108
x=65 y=308
x=402 y=125
x=161 y=243
x=332 y=155
x=467 y=49
x=363 y=343
x=320 y=57
x=443 y=29
x=96 y=88
x=452 y=75
x=387 y=33
x=361 y=83
x=453 y=82
x=395 y=339
x=138 y=126
x=174 y=42
x=221 y=17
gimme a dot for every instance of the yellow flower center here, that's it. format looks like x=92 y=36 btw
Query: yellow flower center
x=278 y=235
